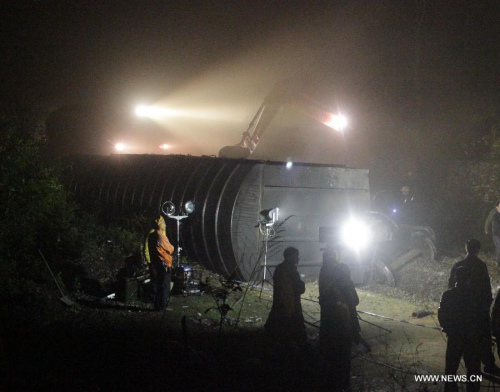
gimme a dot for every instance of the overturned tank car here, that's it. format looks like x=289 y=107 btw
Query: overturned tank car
x=225 y=232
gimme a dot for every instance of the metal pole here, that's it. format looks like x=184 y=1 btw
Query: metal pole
x=178 y=244
x=266 y=237
x=265 y=254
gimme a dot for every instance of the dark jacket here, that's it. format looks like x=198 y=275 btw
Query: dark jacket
x=480 y=286
x=495 y=317
x=338 y=300
x=285 y=318
x=459 y=314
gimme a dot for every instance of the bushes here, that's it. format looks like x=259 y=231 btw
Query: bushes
x=34 y=209
x=37 y=213
x=97 y=246
x=33 y=204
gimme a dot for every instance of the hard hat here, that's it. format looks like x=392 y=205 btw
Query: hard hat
x=406 y=188
x=160 y=221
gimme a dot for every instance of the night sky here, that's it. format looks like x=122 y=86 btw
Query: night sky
x=409 y=75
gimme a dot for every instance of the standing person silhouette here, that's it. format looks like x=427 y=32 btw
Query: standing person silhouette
x=160 y=253
x=285 y=324
x=459 y=315
x=480 y=289
x=339 y=321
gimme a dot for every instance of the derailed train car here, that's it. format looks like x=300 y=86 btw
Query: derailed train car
x=223 y=232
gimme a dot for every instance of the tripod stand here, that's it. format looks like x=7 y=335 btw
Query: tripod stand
x=168 y=208
x=178 y=219
x=267 y=230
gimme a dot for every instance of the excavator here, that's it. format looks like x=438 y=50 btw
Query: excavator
x=398 y=244
x=284 y=93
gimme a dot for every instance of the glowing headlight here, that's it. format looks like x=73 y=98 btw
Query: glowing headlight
x=355 y=234
x=120 y=147
x=154 y=112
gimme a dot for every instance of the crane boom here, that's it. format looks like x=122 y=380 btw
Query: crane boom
x=283 y=94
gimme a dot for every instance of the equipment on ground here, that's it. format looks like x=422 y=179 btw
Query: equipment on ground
x=267 y=221
x=65 y=299
x=187 y=281
x=168 y=208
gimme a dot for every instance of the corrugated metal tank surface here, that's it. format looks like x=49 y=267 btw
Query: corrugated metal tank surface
x=222 y=232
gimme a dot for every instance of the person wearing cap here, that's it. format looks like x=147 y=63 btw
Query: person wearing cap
x=459 y=315
x=160 y=256
x=493 y=220
x=480 y=289
x=407 y=197
x=405 y=207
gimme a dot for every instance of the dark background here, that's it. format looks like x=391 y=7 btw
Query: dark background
x=417 y=80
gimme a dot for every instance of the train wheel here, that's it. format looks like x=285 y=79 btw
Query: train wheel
x=425 y=245
x=381 y=274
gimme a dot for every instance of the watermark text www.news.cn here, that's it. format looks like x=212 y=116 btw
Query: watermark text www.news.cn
x=448 y=378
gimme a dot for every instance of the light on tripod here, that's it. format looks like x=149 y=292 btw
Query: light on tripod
x=168 y=208
x=189 y=207
x=269 y=217
x=267 y=220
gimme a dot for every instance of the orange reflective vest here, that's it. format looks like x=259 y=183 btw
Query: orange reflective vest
x=160 y=248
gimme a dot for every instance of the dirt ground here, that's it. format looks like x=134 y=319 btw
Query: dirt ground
x=413 y=345
x=106 y=345
x=401 y=345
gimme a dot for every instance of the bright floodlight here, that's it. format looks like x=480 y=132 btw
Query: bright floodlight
x=157 y=112
x=141 y=111
x=337 y=122
x=154 y=112
x=289 y=165
x=269 y=217
x=355 y=234
x=164 y=147
x=120 y=147
x=189 y=207
x=168 y=208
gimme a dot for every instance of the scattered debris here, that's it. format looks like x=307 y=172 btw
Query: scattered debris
x=252 y=320
x=422 y=313
x=65 y=299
